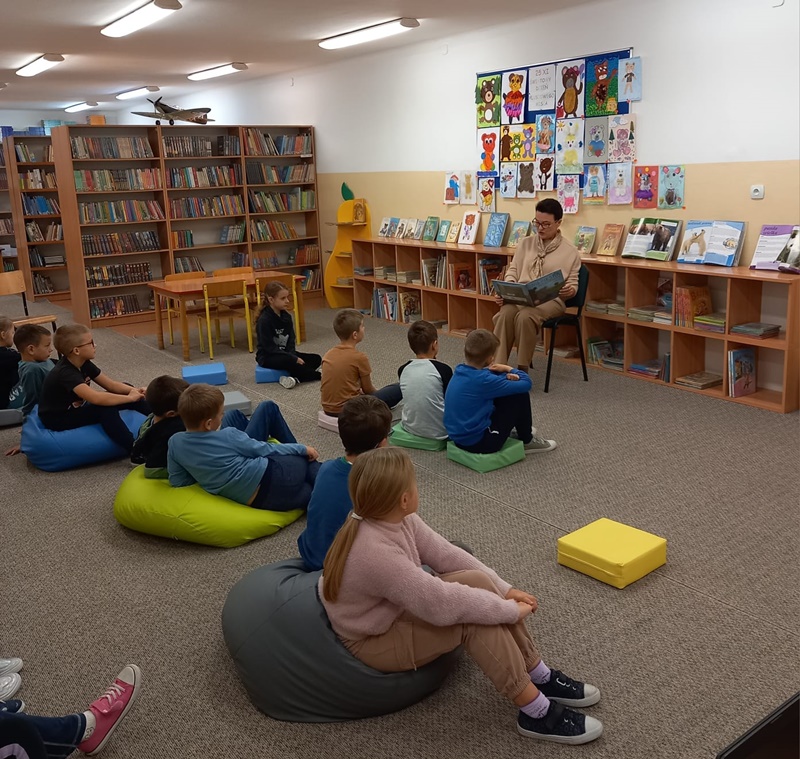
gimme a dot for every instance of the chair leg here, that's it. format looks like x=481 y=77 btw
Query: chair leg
x=230 y=332
x=550 y=358
x=169 y=324
x=200 y=334
x=210 y=341
x=580 y=350
x=53 y=324
x=216 y=327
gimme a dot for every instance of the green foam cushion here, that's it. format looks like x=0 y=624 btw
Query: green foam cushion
x=405 y=439
x=512 y=452
x=156 y=508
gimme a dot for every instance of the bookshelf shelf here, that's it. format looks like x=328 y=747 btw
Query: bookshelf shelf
x=103 y=256
x=116 y=287
x=48 y=268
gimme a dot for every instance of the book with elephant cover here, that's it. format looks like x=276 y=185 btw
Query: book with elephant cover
x=711 y=242
x=652 y=238
x=532 y=293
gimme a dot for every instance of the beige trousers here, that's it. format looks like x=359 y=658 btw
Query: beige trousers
x=520 y=326
x=505 y=653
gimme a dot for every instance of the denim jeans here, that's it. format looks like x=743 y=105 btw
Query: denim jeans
x=266 y=422
x=287 y=483
x=60 y=735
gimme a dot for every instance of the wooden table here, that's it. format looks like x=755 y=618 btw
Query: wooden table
x=185 y=290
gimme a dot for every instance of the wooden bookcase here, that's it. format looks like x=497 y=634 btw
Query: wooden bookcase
x=202 y=212
x=339 y=268
x=6 y=221
x=31 y=179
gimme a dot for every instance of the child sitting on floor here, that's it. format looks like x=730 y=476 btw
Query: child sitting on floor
x=228 y=462
x=346 y=372
x=423 y=382
x=485 y=401
x=35 y=344
x=276 y=340
x=364 y=424
x=9 y=373
x=395 y=618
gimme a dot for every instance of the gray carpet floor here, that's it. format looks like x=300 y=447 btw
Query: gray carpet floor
x=687 y=658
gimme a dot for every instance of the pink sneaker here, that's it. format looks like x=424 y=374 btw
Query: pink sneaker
x=111 y=707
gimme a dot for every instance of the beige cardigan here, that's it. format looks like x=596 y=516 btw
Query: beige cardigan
x=564 y=257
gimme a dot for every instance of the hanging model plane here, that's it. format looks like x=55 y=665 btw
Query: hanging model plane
x=171 y=114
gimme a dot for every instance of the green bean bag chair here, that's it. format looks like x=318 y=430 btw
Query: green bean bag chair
x=156 y=508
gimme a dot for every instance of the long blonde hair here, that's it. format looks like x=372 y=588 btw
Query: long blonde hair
x=377 y=482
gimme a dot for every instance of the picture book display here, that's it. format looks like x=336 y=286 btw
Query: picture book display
x=400 y=229
x=469 y=228
x=444 y=230
x=532 y=293
x=419 y=229
x=610 y=239
x=651 y=238
x=452 y=235
x=584 y=240
x=775 y=246
x=384 y=227
x=712 y=242
x=519 y=229
x=741 y=372
x=411 y=228
x=495 y=230
x=568 y=191
x=394 y=221
x=430 y=229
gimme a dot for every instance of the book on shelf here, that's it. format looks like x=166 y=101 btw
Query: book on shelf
x=651 y=368
x=410 y=309
x=712 y=242
x=495 y=230
x=411 y=227
x=713 y=322
x=759 y=330
x=444 y=230
x=774 y=246
x=183 y=264
x=610 y=240
x=419 y=229
x=606 y=353
x=452 y=234
x=690 y=302
x=651 y=238
x=462 y=276
x=469 y=228
x=489 y=269
x=391 y=230
x=400 y=229
x=643 y=313
x=384 y=227
x=434 y=271
x=700 y=380
x=519 y=229
x=384 y=304
x=584 y=240
x=430 y=229
x=741 y=372
x=532 y=293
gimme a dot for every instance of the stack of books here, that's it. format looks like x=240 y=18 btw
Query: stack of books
x=608 y=354
x=561 y=351
x=407 y=276
x=700 y=380
x=654 y=368
x=664 y=316
x=617 y=308
x=643 y=313
x=711 y=322
x=385 y=272
x=598 y=306
x=760 y=330
x=346 y=281
x=363 y=271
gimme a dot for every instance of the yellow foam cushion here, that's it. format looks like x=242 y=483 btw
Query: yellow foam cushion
x=612 y=552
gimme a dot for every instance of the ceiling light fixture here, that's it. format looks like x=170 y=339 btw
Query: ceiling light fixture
x=369 y=33
x=140 y=18
x=81 y=106
x=40 y=64
x=140 y=93
x=229 y=68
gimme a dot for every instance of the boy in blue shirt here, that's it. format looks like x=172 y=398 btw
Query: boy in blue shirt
x=364 y=423
x=485 y=401
x=228 y=462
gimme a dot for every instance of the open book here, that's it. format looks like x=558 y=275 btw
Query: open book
x=530 y=293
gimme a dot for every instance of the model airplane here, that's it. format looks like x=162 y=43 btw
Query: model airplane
x=172 y=114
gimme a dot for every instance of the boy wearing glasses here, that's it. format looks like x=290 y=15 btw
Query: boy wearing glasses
x=68 y=401
x=540 y=254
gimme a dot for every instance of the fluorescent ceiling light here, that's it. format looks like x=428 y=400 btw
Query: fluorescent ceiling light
x=81 y=106
x=230 y=68
x=140 y=93
x=370 y=33
x=144 y=16
x=40 y=64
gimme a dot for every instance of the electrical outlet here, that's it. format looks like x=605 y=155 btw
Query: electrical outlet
x=757 y=192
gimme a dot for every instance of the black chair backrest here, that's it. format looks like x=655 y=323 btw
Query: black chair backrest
x=579 y=298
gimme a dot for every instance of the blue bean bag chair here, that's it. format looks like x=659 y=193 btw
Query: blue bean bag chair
x=57 y=451
x=293 y=665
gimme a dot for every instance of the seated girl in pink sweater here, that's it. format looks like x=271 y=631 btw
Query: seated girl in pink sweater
x=394 y=616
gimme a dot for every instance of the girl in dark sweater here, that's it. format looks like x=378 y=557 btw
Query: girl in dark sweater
x=276 y=340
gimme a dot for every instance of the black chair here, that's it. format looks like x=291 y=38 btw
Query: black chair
x=569 y=320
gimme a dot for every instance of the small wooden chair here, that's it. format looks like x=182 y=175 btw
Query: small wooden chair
x=13 y=283
x=215 y=309
x=173 y=307
x=239 y=271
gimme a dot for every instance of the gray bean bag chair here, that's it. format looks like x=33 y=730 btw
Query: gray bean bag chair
x=292 y=663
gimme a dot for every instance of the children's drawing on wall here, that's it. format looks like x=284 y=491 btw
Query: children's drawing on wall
x=542 y=88
x=569 y=192
x=487 y=150
x=508 y=179
x=526 y=184
x=486 y=194
x=545 y=126
x=517 y=142
x=514 y=92
x=594 y=184
x=487 y=99
x=630 y=79
x=467 y=188
x=570 y=86
x=601 y=85
x=569 y=146
x=621 y=138
x=596 y=133
x=543 y=173
x=451 y=187
x=620 y=192
x=528 y=142
x=645 y=183
x=671 y=187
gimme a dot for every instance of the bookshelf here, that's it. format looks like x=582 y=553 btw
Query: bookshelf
x=339 y=283
x=7 y=242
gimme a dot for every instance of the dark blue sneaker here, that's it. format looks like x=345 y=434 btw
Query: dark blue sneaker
x=564 y=690
x=560 y=725
x=12 y=706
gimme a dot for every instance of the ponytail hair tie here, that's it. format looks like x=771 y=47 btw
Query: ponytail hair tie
x=356 y=516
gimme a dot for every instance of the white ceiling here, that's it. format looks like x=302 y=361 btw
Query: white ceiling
x=270 y=36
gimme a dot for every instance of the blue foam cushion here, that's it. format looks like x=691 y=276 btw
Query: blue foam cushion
x=211 y=374
x=57 y=451
x=269 y=375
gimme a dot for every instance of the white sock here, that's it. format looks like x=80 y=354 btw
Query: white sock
x=91 y=723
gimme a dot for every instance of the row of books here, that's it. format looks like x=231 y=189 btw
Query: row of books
x=191 y=177
x=434 y=271
x=197 y=207
x=182 y=238
x=275 y=202
x=183 y=264
x=700 y=380
x=109 y=147
x=489 y=269
x=654 y=368
x=118 y=274
x=384 y=304
x=29 y=154
x=37 y=258
x=312 y=279
x=232 y=233
x=52 y=232
x=120 y=242
x=107 y=212
x=39 y=205
x=607 y=353
x=264 y=173
x=118 y=305
x=37 y=179
x=6 y=226
x=263 y=230
x=113 y=180
x=42 y=284
x=304 y=254
x=200 y=146
x=759 y=330
x=691 y=302
x=268 y=260
x=260 y=143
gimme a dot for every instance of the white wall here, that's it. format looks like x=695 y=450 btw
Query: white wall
x=23 y=119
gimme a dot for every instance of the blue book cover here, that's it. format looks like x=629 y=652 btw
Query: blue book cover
x=725 y=243
x=444 y=228
x=495 y=230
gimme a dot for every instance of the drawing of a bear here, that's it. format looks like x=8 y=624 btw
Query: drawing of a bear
x=525 y=183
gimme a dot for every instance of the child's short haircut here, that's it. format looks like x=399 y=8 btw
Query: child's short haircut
x=29 y=334
x=421 y=336
x=6 y=323
x=480 y=346
x=69 y=337
x=163 y=393
x=198 y=403
x=347 y=321
x=364 y=422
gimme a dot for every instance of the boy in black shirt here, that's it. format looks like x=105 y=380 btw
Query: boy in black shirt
x=151 y=446
x=68 y=401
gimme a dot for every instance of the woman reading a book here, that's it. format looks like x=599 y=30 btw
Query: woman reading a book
x=540 y=254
